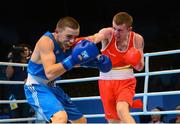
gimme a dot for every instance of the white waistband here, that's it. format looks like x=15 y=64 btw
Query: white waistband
x=35 y=80
x=117 y=74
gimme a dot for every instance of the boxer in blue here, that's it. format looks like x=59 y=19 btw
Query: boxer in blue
x=53 y=55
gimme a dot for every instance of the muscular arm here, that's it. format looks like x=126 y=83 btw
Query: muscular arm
x=52 y=70
x=139 y=44
x=103 y=35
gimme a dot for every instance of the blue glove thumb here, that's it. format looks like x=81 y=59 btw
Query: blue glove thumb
x=104 y=63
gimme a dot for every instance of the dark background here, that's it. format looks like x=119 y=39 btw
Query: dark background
x=26 y=21
x=157 y=21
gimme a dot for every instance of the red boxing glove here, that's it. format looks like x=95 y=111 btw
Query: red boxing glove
x=132 y=57
x=79 y=39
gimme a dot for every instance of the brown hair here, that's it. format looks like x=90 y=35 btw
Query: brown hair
x=123 y=18
x=67 y=22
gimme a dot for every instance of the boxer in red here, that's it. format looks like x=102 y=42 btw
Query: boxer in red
x=125 y=49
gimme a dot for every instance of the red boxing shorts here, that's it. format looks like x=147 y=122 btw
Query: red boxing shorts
x=113 y=91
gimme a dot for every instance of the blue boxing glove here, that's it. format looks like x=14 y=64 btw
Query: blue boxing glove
x=84 y=51
x=102 y=62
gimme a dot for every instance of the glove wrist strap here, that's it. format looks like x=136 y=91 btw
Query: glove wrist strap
x=67 y=63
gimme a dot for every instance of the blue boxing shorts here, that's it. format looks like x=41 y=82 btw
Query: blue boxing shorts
x=49 y=100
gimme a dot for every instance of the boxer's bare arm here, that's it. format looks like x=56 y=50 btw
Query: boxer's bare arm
x=103 y=35
x=139 y=44
x=48 y=60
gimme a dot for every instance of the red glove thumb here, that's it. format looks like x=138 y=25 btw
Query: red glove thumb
x=77 y=40
x=133 y=56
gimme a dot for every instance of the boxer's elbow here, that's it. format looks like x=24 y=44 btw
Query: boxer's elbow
x=50 y=74
x=54 y=71
x=139 y=67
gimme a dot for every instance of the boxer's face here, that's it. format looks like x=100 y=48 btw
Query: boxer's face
x=67 y=37
x=120 y=31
